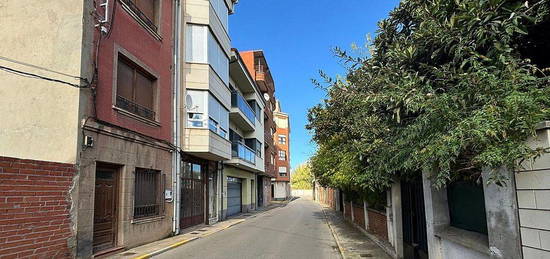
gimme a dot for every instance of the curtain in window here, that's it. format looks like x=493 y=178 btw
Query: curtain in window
x=196 y=43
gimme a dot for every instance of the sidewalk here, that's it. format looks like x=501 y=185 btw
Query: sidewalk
x=351 y=241
x=190 y=234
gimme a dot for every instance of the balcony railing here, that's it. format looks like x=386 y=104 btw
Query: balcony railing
x=134 y=108
x=243 y=152
x=140 y=14
x=238 y=101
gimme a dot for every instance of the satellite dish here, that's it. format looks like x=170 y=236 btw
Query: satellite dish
x=189 y=102
x=266 y=97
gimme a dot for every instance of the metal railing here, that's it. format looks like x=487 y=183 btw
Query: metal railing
x=134 y=108
x=239 y=150
x=238 y=101
x=140 y=14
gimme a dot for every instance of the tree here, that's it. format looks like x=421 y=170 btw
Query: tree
x=302 y=178
x=448 y=87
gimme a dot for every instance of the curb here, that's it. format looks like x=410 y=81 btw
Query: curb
x=170 y=247
x=340 y=248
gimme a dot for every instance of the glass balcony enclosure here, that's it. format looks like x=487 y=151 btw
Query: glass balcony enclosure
x=241 y=151
x=238 y=101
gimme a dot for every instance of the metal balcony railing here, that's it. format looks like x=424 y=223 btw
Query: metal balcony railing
x=134 y=108
x=243 y=152
x=238 y=101
x=140 y=14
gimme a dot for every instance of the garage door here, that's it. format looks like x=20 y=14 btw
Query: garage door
x=234 y=199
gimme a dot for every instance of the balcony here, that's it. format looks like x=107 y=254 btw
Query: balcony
x=263 y=78
x=134 y=108
x=206 y=144
x=244 y=158
x=243 y=152
x=241 y=113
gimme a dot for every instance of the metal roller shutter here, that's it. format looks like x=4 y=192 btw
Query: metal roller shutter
x=234 y=197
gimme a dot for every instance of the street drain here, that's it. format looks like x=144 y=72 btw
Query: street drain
x=202 y=230
x=194 y=233
x=365 y=255
x=129 y=253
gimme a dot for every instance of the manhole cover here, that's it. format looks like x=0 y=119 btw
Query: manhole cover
x=365 y=255
x=129 y=253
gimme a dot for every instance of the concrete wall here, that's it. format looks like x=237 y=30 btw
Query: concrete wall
x=40 y=116
x=206 y=144
x=282 y=190
x=307 y=194
x=533 y=196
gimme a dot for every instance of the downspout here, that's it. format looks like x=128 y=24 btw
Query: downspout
x=176 y=171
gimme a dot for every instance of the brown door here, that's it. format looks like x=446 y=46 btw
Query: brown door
x=192 y=195
x=104 y=209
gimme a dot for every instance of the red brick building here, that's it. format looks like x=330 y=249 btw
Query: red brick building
x=282 y=144
x=258 y=68
x=86 y=156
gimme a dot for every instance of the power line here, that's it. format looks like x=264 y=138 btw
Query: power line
x=31 y=75
x=38 y=67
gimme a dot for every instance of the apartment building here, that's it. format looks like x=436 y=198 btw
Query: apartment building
x=258 y=68
x=86 y=142
x=282 y=139
x=246 y=132
x=206 y=102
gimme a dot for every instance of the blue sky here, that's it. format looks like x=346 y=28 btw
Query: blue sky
x=297 y=37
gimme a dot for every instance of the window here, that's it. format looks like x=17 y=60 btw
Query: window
x=148 y=193
x=282 y=171
x=282 y=155
x=202 y=47
x=146 y=10
x=135 y=89
x=195 y=105
x=196 y=49
x=467 y=206
x=272 y=159
x=218 y=59
x=218 y=117
x=282 y=139
x=221 y=10
x=197 y=108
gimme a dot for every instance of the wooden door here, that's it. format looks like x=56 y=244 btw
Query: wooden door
x=104 y=210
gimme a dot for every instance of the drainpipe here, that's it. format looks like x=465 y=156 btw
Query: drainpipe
x=176 y=171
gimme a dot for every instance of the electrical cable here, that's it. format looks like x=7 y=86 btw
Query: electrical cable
x=35 y=76
x=38 y=67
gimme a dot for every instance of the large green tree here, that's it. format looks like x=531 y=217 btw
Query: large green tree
x=450 y=86
x=302 y=178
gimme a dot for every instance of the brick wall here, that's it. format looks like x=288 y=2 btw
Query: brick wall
x=359 y=215
x=378 y=224
x=347 y=210
x=325 y=196
x=34 y=208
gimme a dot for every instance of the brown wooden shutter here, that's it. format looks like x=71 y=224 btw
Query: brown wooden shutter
x=144 y=91
x=147 y=7
x=125 y=78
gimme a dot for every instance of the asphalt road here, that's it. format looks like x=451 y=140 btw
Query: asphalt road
x=298 y=230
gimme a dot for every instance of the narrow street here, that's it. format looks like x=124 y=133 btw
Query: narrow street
x=298 y=230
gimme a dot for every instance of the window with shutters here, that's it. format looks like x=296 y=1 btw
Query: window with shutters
x=147 y=11
x=135 y=89
x=148 y=193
